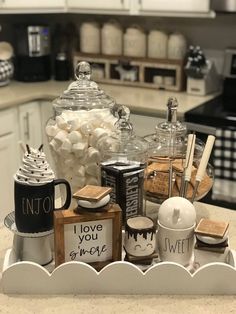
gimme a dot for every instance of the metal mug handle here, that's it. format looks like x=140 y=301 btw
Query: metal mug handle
x=68 y=193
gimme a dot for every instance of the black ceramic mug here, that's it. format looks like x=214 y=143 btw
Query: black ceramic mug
x=34 y=205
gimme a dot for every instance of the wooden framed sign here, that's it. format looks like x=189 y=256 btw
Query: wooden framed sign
x=90 y=237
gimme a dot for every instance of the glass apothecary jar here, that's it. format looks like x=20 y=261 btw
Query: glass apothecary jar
x=124 y=158
x=167 y=162
x=82 y=116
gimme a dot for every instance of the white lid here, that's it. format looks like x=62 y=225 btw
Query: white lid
x=177 y=213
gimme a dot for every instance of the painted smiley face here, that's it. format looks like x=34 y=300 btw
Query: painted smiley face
x=141 y=246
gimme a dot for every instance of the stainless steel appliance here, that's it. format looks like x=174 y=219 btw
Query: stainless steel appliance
x=32 y=61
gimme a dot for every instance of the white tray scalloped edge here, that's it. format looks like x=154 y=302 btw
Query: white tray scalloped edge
x=117 y=278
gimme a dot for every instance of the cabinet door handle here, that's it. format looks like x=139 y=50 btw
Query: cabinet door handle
x=26 y=123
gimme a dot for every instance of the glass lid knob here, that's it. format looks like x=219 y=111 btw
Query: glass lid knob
x=172 y=106
x=83 y=71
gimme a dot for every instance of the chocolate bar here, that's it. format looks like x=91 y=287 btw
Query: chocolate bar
x=126 y=181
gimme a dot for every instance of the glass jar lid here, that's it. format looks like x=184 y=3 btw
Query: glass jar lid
x=171 y=125
x=169 y=138
x=123 y=144
x=83 y=94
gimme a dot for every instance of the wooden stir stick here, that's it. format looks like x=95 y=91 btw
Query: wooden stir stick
x=203 y=163
x=188 y=164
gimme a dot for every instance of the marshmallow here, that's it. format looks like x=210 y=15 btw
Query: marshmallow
x=61 y=136
x=79 y=148
x=92 y=169
x=75 y=137
x=52 y=130
x=93 y=155
x=54 y=145
x=86 y=128
x=80 y=171
x=61 y=123
x=88 y=204
x=74 y=124
x=70 y=162
x=83 y=160
x=66 y=147
x=99 y=132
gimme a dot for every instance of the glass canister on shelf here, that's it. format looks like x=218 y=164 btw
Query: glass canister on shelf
x=173 y=162
x=124 y=158
x=82 y=117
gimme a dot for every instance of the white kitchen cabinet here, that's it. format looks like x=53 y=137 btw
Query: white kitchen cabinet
x=174 y=5
x=141 y=7
x=8 y=159
x=46 y=113
x=30 y=124
x=32 y=6
x=175 y=8
x=144 y=125
x=98 y=6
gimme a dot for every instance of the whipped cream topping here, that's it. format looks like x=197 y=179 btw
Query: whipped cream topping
x=35 y=169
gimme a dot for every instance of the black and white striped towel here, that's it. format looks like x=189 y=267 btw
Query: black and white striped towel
x=224 y=154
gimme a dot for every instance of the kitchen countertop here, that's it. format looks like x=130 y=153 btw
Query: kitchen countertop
x=140 y=100
x=124 y=304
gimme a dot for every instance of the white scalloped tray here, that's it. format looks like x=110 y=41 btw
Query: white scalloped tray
x=117 y=278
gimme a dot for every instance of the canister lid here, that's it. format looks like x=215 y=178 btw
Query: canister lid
x=123 y=144
x=177 y=213
x=172 y=125
x=170 y=134
x=83 y=94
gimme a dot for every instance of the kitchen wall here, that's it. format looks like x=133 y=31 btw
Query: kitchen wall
x=213 y=35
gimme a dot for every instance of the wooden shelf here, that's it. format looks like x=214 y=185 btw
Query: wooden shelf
x=141 y=72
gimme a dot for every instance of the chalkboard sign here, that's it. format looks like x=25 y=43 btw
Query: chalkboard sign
x=91 y=237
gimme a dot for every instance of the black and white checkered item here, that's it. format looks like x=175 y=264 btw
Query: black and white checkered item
x=225 y=154
x=6 y=70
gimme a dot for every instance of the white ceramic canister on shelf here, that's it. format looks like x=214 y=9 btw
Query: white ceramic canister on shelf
x=135 y=42
x=112 y=38
x=90 y=37
x=175 y=236
x=157 y=44
x=177 y=46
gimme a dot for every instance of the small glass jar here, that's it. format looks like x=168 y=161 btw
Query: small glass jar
x=124 y=157
x=166 y=162
x=83 y=115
